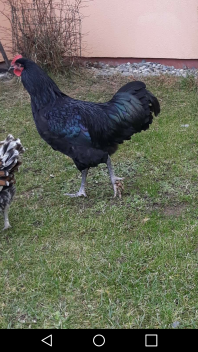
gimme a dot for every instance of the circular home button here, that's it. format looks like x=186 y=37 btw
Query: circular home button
x=98 y=340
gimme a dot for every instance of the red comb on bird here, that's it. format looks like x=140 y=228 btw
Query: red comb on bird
x=18 y=68
x=16 y=58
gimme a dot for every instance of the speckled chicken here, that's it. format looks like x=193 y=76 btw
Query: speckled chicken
x=10 y=151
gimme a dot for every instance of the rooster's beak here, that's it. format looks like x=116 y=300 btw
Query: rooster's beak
x=11 y=68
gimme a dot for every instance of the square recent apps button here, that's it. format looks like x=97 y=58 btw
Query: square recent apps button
x=151 y=340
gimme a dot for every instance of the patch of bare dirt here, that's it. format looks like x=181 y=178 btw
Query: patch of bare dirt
x=174 y=210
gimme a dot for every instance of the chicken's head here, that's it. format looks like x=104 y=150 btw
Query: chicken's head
x=17 y=65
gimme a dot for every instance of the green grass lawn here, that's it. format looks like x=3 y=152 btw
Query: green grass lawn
x=102 y=262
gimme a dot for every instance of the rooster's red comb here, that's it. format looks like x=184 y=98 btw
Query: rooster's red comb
x=16 y=58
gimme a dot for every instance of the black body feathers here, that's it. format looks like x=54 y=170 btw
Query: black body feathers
x=85 y=131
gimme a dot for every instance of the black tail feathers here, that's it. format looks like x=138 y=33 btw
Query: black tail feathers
x=154 y=103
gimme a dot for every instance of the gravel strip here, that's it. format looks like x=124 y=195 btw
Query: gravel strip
x=141 y=69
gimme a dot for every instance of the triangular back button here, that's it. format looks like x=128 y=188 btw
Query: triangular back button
x=48 y=340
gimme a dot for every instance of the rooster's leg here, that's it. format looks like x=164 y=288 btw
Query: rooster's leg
x=81 y=191
x=6 y=220
x=117 y=185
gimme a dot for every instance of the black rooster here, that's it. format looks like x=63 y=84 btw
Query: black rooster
x=87 y=132
x=10 y=150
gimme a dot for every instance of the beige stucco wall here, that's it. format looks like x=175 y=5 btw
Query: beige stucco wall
x=5 y=34
x=138 y=28
x=141 y=28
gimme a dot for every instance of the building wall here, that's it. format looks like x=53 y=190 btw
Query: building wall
x=5 y=34
x=141 y=28
x=137 y=29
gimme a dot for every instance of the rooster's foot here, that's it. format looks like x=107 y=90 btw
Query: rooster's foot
x=81 y=191
x=78 y=194
x=7 y=226
x=118 y=186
